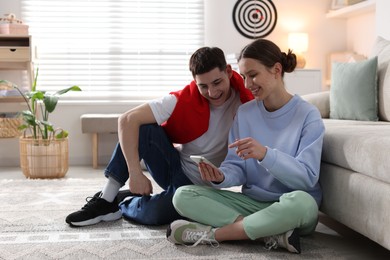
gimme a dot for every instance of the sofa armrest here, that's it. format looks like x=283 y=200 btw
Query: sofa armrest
x=321 y=101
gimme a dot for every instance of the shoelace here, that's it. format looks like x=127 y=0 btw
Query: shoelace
x=271 y=243
x=200 y=237
x=90 y=201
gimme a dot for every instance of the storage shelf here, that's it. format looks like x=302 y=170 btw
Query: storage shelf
x=15 y=54
x=11 y=99
x=353 y=10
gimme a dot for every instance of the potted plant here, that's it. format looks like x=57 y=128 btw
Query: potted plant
x=43 y=148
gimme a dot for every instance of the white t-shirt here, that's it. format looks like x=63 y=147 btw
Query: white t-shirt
x=212 y=144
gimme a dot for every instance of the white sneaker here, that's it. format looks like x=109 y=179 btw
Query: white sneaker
x=289 y=240
x=190 y=233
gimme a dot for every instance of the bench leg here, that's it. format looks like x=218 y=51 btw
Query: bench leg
x=94 y=150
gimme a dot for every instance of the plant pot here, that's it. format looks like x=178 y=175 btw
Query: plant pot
x=44 y=158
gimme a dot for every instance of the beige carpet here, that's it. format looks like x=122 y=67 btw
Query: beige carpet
x=32 y=226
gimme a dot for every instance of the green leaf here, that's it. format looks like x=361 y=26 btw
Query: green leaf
x=29 y=117
x=62 y=134
x=34 y=86
x=63 y=91
x=22 y=127
x=48 y=125
x=50 y=102
x=36 y=95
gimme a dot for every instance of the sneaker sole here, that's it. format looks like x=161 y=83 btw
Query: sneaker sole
x=108 y=217
x=293 y=243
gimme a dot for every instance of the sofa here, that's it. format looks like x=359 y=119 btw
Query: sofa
x=355 y=167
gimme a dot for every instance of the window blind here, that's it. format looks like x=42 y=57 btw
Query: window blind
x=114 y=48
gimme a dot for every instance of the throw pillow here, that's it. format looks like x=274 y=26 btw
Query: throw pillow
x=353 y=92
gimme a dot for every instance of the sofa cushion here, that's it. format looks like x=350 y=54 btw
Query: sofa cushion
x=320 y=100
x=353 y=93
x=381 y=49
x=361 y=146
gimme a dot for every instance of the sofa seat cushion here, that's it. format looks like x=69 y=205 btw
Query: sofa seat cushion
x=361 y=146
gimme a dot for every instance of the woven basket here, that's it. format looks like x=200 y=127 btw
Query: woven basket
x=9 y=127
x=45 y=159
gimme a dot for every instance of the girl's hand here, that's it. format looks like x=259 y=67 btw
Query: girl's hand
x=249 y=148
x=210 y=173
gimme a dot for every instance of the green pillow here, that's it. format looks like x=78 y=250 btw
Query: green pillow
x=353 y=90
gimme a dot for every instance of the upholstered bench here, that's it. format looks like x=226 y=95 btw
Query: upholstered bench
x=98 y=124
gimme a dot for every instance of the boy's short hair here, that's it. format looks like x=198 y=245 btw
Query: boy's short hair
x=206 y=59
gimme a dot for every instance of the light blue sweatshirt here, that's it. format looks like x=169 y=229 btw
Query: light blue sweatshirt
x=293 y=136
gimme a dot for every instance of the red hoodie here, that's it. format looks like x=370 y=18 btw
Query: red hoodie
x=190 y=118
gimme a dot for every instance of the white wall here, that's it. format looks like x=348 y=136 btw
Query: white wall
x=360 y=40
x=383 y=18
x=7 y=7
x=67 y=116
x=325 y=36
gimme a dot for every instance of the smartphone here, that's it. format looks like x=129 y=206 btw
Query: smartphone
x=198 y=159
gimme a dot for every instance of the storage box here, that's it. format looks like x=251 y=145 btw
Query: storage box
x=12 y=28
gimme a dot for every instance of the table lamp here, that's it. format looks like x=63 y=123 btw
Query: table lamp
x=298 y=43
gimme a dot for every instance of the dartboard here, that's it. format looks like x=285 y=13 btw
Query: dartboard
x=255 y=18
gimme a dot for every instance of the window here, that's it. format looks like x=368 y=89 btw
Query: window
x=114 y=48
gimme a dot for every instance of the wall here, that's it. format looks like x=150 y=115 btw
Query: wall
x=67 y=115
x=383 y=18
x=358 y=40
x=293 y=16
x=326 y=35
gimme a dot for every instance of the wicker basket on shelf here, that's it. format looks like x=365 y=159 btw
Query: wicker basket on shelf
x=9 y=127
x=9 y=122
x=46 y=159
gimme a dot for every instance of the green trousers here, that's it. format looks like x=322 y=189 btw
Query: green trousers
x=219 y=208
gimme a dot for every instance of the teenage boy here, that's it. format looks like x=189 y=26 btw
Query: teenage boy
x=196 y=119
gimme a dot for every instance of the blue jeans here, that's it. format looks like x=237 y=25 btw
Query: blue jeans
x=163 y=163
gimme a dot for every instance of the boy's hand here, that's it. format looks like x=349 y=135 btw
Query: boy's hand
x=140 y=184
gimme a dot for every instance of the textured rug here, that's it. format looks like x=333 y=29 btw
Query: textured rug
x=32 y=226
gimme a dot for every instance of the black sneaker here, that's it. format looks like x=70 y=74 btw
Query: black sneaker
x=95 y=211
